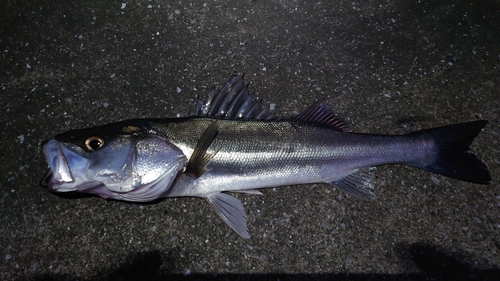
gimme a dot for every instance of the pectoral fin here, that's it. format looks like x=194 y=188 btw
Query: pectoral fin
x=200 y=157
x=231 y=211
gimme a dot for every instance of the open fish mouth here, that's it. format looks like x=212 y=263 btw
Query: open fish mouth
x=46 y=179
x=64 y=165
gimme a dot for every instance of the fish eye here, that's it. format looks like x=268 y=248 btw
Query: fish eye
x=93 y=143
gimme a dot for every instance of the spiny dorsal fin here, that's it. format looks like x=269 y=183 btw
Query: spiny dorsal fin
x=232 y=101
x=200 y=158
x=322 y=113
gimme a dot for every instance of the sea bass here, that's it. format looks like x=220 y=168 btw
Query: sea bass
x=232 y=143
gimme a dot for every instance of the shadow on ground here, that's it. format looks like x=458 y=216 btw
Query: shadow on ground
x=432 y=264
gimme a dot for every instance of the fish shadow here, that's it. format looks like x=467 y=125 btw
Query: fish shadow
x=432 y=262
x=73 y=195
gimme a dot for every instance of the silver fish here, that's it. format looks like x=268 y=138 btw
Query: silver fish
x=232 y=143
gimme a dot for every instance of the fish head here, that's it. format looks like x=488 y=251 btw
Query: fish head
x=121 y=161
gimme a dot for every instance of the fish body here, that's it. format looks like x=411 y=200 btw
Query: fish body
x=234 y=144
x=259 y=154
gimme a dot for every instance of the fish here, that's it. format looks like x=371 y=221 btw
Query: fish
x=233 y=143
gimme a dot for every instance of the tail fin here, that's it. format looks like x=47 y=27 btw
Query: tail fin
x=453 y=160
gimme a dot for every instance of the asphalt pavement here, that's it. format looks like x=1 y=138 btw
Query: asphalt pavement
x=387 y=67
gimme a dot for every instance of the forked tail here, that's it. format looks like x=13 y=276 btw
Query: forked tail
x=453 y=159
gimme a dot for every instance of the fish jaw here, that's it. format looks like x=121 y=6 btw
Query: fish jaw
x=60 y=177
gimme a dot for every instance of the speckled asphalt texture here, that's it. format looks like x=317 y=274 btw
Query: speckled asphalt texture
x=386 y=66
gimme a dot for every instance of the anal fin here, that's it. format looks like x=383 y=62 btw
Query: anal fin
x=359 y=183
x=248 y=191
x=231 y=211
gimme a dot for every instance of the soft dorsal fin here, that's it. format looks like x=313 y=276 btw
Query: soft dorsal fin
x=232 y=101
x=322 y=113
x=200 y=158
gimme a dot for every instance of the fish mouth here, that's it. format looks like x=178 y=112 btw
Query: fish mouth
x=46 y=179
x=63 y=165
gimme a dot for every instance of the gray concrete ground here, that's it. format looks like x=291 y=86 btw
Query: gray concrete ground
x=386 y=66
